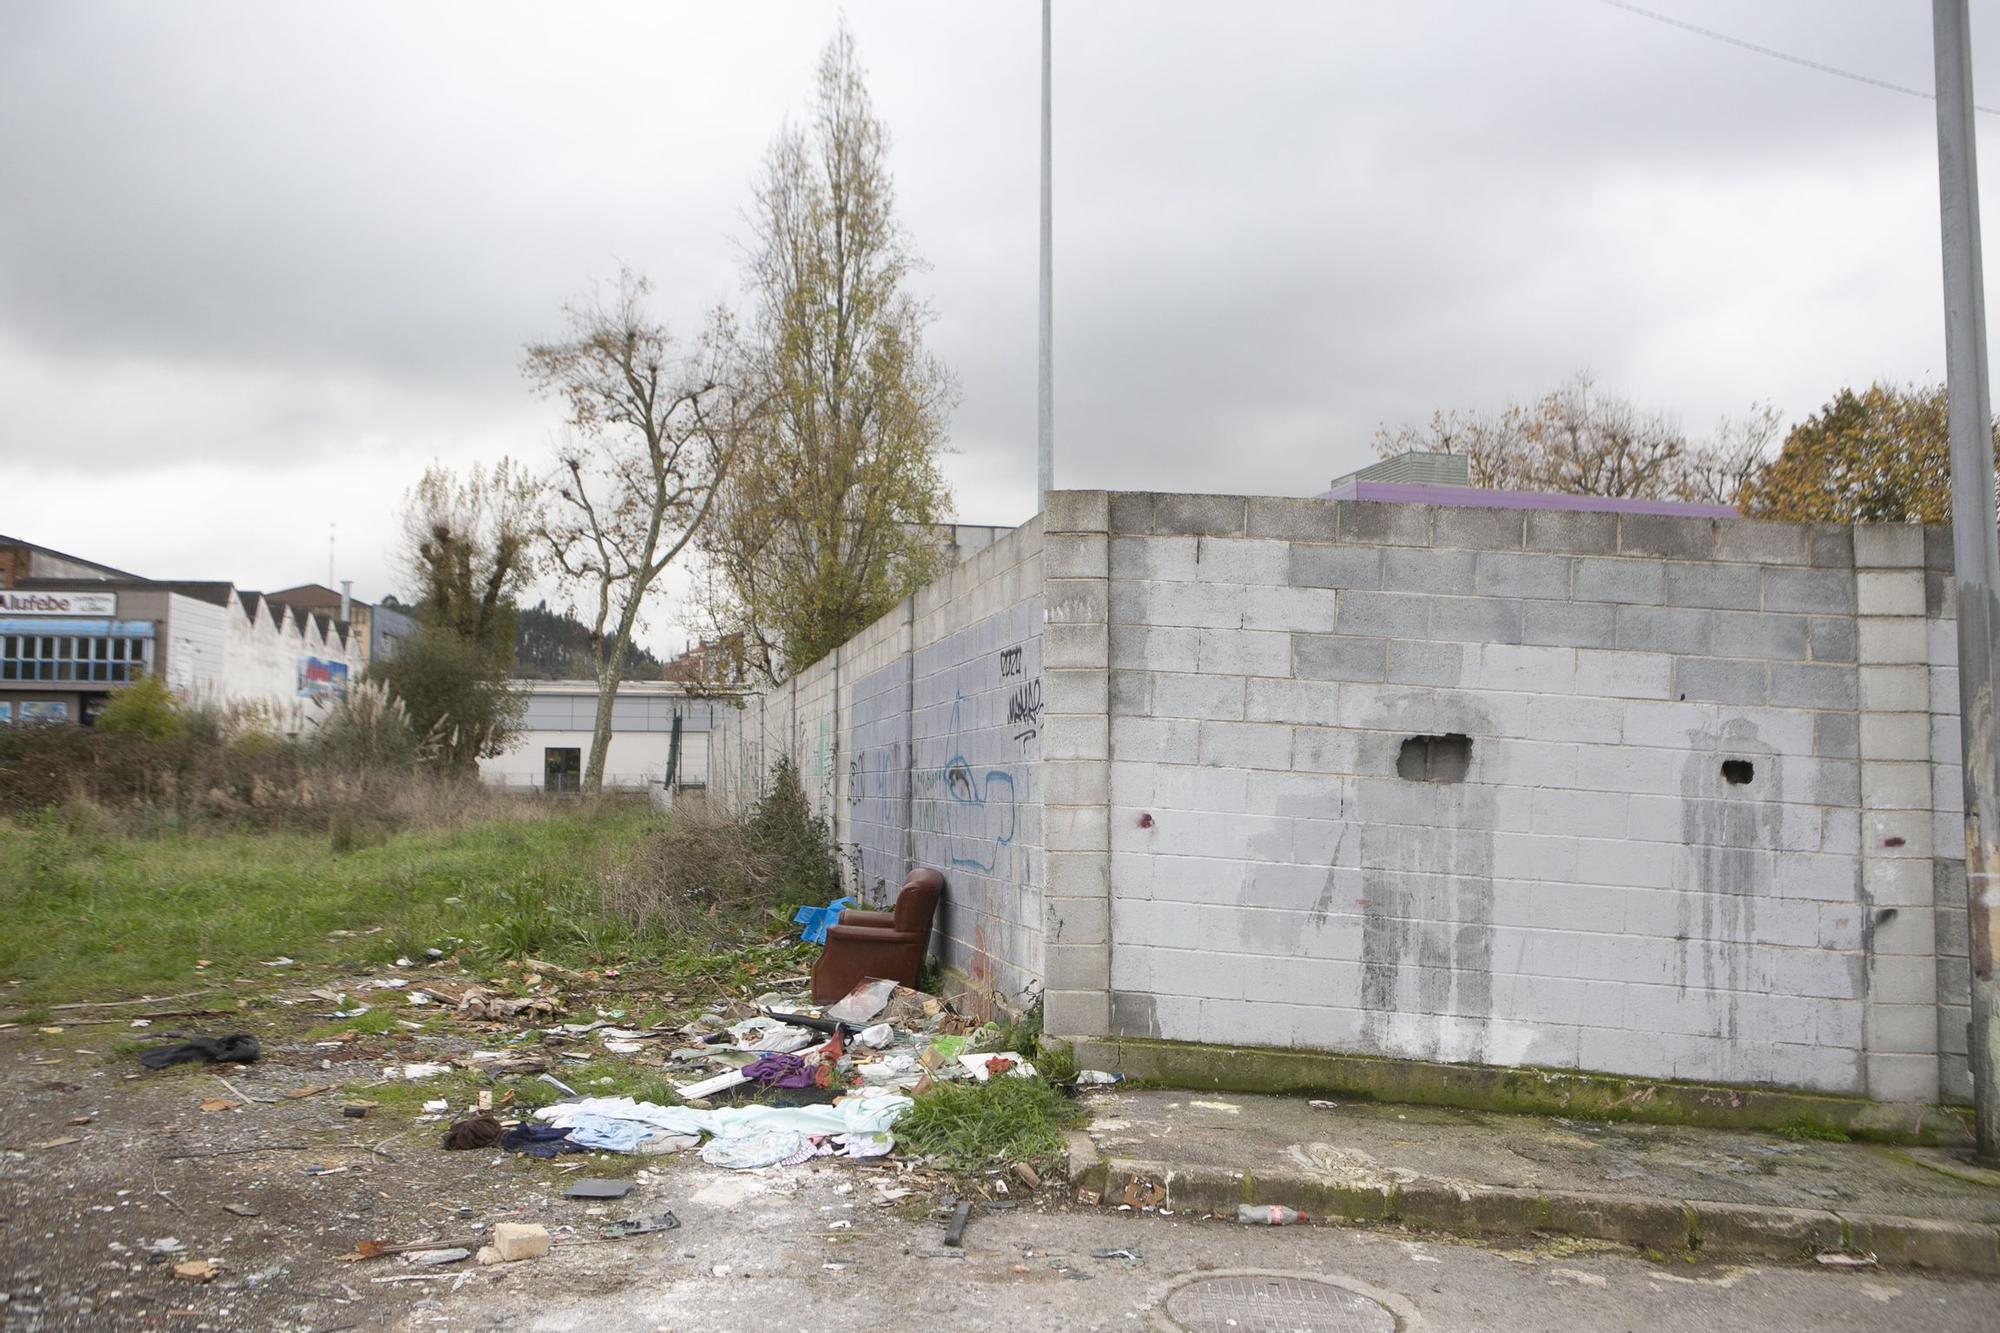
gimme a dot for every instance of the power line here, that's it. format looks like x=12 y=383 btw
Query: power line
x=1776 y=54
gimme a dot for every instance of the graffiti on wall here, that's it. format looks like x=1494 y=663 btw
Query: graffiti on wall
x=979 y=814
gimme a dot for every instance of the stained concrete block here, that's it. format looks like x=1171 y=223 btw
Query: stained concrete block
x=1758 y=634
x=1572 y=530
x=1330 y=657
x=1293 y=520
x=1832 y=545
x=1888 y=546
x=1309 y=702
x=1246 y=744
x=1476 y=620
x=1624 y=675
x=1664 y=629
x=1477 y=528
x=1624 y=582
x=1130 y=512
x=1384 y=524
x=1724 y=587
x=1813 y=685
x=1667 y=536
x=1889 y=592
x=1763 y=542
x=1200 y=515
x=1506 y=574
x=1887 y=641
x=1337 y=567
x=1418 y=569
x=1832 y=638
x=1396 y=615
x=1721 y=680
x=1076 y=511
x=1814 y=591
x=1417 y=662
x=1570 y=624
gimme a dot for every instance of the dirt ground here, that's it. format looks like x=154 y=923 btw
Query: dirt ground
x=820 y=1246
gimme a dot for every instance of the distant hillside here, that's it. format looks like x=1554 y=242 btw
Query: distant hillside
x=549 y=645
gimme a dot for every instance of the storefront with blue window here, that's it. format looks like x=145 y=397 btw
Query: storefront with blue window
x=62 y=668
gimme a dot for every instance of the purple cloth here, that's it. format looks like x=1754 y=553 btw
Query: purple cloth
x=779 y=1070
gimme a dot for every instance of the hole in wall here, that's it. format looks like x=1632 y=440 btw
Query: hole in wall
x=1435 y=758
x=1737 y=772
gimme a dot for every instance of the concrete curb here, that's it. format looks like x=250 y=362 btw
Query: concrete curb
x=1664 y=1226
x=1527 y=1091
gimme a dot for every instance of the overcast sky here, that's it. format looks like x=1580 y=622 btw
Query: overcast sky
x=260 y=263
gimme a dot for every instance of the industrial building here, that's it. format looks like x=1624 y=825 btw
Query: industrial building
x=73 y=630
x=553 y=746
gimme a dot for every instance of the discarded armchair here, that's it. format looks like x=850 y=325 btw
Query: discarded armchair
x=889 y=944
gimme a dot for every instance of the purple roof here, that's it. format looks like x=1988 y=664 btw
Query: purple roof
x=1389 y=492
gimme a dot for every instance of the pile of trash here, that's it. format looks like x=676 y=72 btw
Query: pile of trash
x=851 y=1071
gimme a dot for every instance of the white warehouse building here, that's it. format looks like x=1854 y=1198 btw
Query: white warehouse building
x=554 y=744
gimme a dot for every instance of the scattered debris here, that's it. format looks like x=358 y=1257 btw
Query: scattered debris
x=432 y=1258
x=520 y=1240
x=1027 y=1175
x=477 y=1131
x=864 y=1002
x=356 y=1110
x=1266 y=1215
x=645 y=1225
x=1833 y=1259
x=239 y=1209
x=220 y=1104
x=954 y=1231
x=236 y=1048
x=198 y=1270
x=1097 y=1078
x=1131 y=1256
x=413 y=1072
x=598 y=1189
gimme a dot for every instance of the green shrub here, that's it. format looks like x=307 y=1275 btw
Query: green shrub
x=143 y=708
x=798 y=841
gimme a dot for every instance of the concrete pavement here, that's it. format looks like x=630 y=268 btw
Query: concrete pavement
x=1667 y=1190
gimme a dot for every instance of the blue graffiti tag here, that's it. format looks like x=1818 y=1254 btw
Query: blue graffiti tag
x=969 y=791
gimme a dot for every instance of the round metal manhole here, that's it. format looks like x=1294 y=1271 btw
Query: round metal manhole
x=1275 y=1304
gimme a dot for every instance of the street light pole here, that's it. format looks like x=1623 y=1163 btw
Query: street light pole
x=1975 y=548
x=1045 y=433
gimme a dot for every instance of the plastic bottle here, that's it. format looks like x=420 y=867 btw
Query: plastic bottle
x=1265 y=1215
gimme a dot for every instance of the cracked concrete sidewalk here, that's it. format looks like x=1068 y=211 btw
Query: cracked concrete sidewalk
x=1669 y=1189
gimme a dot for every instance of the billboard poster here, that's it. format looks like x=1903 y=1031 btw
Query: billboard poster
x=42 y=710
x=321 y=680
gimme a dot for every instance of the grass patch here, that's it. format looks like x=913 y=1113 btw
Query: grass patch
x=1803 y=1129
x=968 y=1127
x=95 y=915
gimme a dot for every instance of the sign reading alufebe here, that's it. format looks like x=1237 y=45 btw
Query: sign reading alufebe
x=32 y=602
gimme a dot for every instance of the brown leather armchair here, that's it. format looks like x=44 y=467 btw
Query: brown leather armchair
x=890 y=945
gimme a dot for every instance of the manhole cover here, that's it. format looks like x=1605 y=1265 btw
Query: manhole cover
x=1275 y=1305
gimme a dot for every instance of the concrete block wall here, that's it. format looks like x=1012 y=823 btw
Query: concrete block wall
x=919 y=739
x=1947 y=806
x=1596 y=892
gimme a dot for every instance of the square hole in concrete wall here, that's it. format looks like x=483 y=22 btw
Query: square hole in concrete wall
x=1738 y=772
x=1435 y=758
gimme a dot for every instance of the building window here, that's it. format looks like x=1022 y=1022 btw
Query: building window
x=109 y=659
x=562 y=768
